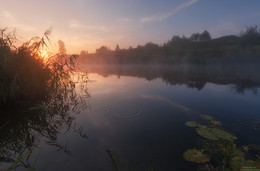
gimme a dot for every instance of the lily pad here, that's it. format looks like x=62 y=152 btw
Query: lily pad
x=196 y=156
x=211 y=119
x=192 y=124
x=203 y=126
x=221 y=134
x=215 y=122
x=215 y=134
x=207 y=117
x=206 y=133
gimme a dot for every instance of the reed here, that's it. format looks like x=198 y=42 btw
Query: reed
x=25 y=75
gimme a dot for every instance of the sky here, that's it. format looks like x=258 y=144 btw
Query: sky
x=89 y=24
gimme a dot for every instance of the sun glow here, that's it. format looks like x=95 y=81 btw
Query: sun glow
x=44 y=54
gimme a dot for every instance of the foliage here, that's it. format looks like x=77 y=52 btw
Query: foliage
x=199 y=48
x=215 y=134
x=24 y=126
x=27 y=75
x=62 y=48
x=219 y=149
x=192 y=124
x=250 y=36
x=38 y=96
x=211 y=119
x=196 y=156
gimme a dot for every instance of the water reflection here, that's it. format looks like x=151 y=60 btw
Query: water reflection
x=242 y=78
x=26 y=125
x=121 y=110
x=138 y=119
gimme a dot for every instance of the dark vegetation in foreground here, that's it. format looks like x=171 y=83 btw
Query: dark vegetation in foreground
x=27 y=75
x=37 y=97
x=220 y=151
x=199 y=48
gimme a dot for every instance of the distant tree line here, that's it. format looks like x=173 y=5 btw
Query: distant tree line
x=199 y=48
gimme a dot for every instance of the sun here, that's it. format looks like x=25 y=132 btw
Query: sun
x=44 y=54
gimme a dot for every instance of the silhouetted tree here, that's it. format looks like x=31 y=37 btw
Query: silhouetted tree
x=151 y=46
x=199 y=48
x=117 y=48
x=62 y=48
x=103 y=50
x=205 y=36
x=251 y=36
x=83 y=53
x=175 y=39
x=195 y=37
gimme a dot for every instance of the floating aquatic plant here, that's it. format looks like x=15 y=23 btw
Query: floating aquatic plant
x=196 y=156
x=215 y=134
x=206 y=133
x=215 y=122
x=211 y=119
x=221 y=151
x=203 y=126
x=192 y=124
x=221 y=134
x=207 y=117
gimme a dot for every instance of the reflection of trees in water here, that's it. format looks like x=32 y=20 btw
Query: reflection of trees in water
x=241 y=89
x=241 y=77
x=22 y=127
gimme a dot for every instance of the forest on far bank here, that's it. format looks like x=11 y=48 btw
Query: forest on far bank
x=199 y=48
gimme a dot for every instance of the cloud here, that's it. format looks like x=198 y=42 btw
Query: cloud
x=163 y=16
x=126 y=20
x=76 y=24
x=7 y=15
x=10 y=20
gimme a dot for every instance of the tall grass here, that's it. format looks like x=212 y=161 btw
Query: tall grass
x=43 y=93
x=25 y=75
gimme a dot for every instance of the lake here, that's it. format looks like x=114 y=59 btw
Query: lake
x=140 y=113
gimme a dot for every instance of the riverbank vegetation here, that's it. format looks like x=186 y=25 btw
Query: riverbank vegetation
x=37 y=97
x=220 y=151
x=199 y=48
x=29 y=72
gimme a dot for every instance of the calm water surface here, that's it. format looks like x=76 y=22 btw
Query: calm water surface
x=144 y=120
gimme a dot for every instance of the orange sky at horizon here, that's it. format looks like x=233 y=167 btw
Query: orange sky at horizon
x=90 y=24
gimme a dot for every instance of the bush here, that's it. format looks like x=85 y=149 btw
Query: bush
x=25 y=75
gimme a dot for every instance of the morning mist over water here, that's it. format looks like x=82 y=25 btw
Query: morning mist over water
x=129 y=85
